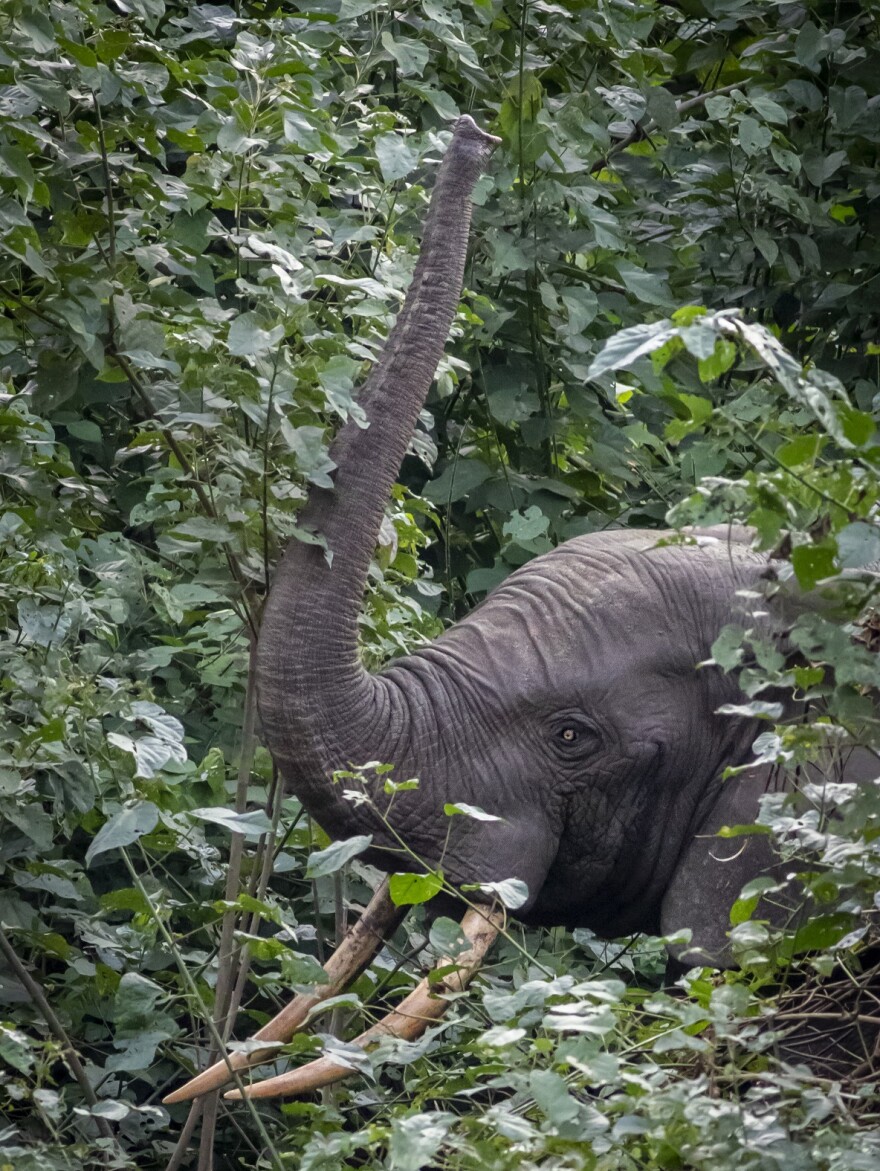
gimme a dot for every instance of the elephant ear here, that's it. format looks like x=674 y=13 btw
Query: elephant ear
x=712 y=871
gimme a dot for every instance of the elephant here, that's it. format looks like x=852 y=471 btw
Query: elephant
x=577 y=707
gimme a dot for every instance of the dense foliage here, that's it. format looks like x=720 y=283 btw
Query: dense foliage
x=207 y=218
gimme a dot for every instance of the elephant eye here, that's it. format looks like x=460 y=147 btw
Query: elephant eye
x=572 y=735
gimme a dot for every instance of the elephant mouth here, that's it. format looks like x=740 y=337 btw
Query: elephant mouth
x=424 y=1005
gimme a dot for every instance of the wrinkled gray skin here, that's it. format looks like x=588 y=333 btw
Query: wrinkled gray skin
x=569 y=703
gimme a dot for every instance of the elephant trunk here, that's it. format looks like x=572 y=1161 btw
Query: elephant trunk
x=318 y=707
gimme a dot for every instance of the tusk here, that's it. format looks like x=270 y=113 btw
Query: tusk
x=423 y=1005
x=357 y=949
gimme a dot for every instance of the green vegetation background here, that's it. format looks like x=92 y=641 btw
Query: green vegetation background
x=208 y=216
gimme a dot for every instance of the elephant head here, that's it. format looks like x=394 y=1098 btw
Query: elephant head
x=575 y=705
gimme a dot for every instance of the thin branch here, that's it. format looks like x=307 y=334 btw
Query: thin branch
x=108 y=184
x=640 y=131
x=45 y=1009
x=180 y=1150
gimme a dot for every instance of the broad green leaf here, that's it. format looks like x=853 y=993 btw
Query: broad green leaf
x=249 y=825
x=410 y=889
x=753 y=136
x=447 y=938
x=411 y=56
x=812 y=563
x=416 y=1139
x=124 y=827
x=396 y=156
x=552 y=1096
x=472 y=811
x=248 y=336
x=458 y=479
x=15 y=1049
x=204 y=528
x=727 y=649
x=804 y=449
x=526 y=526
x=627 y=346
x=46 y=625
x=858 y=545
x=336 y=855
x=512 y=892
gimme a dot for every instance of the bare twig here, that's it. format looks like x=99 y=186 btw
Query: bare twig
x=179 y=1152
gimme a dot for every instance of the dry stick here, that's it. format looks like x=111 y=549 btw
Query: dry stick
x=408 y=1021
x=223 y=1009
x=258 y=890
x=639 y=132
x=179 y=1152
x=68 y=1051
x=334 y=1025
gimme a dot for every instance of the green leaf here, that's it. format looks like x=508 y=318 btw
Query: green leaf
x=411 y=56
x=458 y=479
x=626 y=347
x=753 y=136
x=336 y=855
x=472 y=811
x=396 y=157
x=526 y=526
x=135 y=819
x=812 y=563
x=45 y=625
x=722 y=358
x=821 y=932
x=551 y=1093
x=203 y=528
x=858 y=545
x=136 y=1000
x=15 y=1049
x=447 y=938
x=805 y=449
x=727 y=649
x=416 y=1139
x=858 y=426
x=512 y=892
x=248 y=338
x=249 y=825
x=411 y=889
x=751 y=894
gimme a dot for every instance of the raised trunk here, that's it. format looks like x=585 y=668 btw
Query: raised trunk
x=319 y=708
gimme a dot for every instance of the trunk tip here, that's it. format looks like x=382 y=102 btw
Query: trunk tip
x=466 y=127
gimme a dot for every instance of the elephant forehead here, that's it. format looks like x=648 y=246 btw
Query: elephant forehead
x=595 y=587
x=594 y=616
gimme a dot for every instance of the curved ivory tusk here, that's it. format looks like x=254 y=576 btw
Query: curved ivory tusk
x=357 y=949
x=423 y=1005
